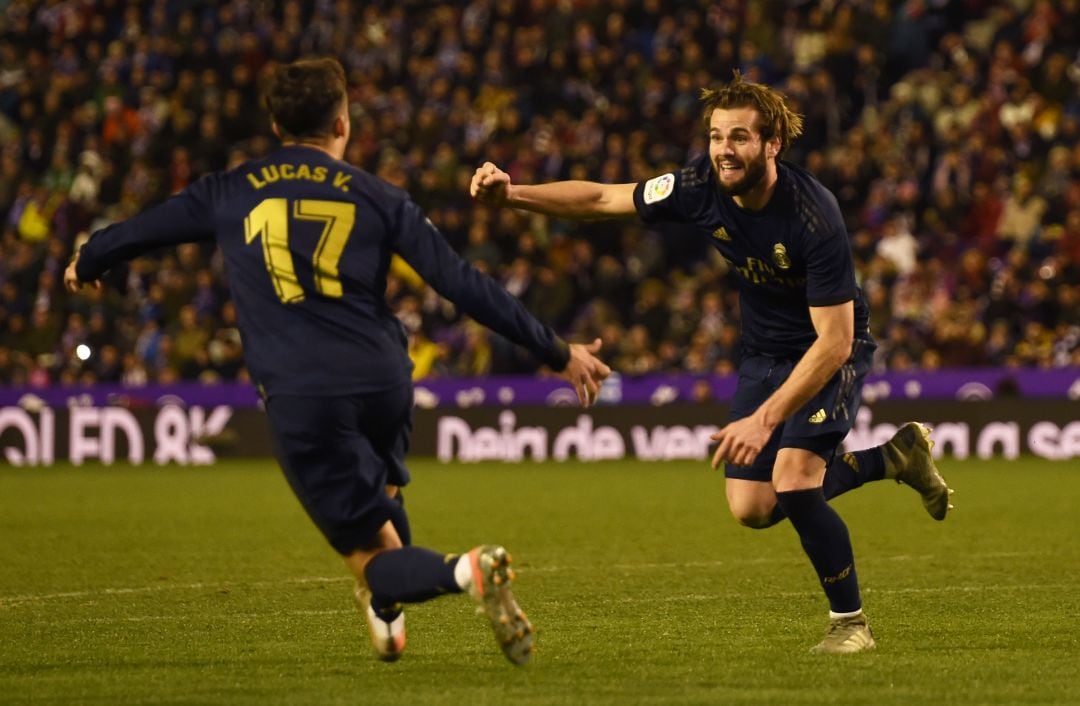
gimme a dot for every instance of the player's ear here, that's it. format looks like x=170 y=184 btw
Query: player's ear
x=341 y=125
x=772 y=147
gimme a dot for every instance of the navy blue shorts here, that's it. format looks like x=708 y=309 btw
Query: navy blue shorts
x=339 y=454
x=818 y=426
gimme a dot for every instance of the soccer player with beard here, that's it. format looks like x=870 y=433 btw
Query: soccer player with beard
x=806 y=343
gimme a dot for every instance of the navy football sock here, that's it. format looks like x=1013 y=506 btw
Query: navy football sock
x=385 y=610
x=400 y=519
x=849 y=471
x=825 y=540
x=845 y=472
x=778 y=515
x=408 y=575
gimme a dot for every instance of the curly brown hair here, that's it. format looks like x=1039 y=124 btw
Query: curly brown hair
x=776 y=118
x=304 y=97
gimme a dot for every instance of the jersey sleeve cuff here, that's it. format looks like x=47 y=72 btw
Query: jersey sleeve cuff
x=85 y=268
x=560 y=357
x=831 y=301
x=639 y=202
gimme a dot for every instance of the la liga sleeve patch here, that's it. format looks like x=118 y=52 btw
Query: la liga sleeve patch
x=658 y=188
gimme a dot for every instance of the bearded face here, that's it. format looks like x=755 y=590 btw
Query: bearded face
x=737 y=175
x=738 y=154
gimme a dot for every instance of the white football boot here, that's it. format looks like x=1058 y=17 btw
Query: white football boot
x=388 y=639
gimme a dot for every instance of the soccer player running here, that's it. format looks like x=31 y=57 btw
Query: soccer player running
x=806 y=343
x=307 y=241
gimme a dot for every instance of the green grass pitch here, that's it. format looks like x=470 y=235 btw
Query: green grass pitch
x=124 y=585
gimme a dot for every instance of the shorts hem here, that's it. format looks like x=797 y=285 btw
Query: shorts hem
x=748 y=473
x=824 y=446
x=357 y=535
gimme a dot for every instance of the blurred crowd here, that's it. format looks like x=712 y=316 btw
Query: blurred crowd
x=948 y=130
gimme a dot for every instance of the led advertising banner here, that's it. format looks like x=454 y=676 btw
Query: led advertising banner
x=194 y=434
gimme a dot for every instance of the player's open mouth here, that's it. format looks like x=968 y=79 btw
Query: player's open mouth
x=729 y=168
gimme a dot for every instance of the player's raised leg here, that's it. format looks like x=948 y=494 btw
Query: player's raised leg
x=389 y=578
x=905 y=458
x=756 y=507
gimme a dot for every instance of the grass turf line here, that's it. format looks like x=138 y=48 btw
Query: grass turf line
x=208 y=585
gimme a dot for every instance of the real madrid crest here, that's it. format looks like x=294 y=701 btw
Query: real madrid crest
x=780 y=256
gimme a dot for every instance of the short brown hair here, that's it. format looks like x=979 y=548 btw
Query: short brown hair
x=304 y=97
x=777 y=120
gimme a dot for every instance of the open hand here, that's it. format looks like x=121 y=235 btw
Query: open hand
x=585 y=371
x=741 y=441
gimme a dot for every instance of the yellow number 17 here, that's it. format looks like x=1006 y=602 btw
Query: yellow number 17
x=270 y=219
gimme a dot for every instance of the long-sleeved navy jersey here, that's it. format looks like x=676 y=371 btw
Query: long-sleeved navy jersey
x=307 y=241
x=790 y=255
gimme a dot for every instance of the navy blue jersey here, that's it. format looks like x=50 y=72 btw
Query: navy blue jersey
x=307 y=241
x=787 y=257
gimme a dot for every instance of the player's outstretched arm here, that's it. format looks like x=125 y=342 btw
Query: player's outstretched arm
x=477 y=294
x=186 y=217
x=565 y=199
x=585 y=371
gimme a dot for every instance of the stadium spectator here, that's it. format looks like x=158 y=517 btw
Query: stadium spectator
x=913 y=109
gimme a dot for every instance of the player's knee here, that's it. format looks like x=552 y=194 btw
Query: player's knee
x=752 y=516
x=751 y=504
